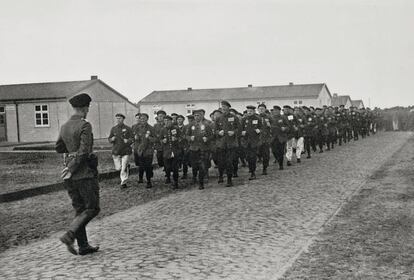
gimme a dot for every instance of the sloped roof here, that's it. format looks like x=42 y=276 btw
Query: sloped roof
x=340 y=100
x=285 y=91
x=54 y=90
x=357 y=103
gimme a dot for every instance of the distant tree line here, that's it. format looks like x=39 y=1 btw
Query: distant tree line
x=398 y=118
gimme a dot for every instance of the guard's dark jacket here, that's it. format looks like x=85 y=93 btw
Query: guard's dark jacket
x=199 y=130
x=76 y=141
x=227 y=122
x=280 y=128
x=173 y=146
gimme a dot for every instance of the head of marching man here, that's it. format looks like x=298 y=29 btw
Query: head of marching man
x=119 y=118
x=80 y=104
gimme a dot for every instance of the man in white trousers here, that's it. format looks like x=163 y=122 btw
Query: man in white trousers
x=121 y=138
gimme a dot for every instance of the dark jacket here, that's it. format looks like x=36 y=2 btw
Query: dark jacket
x=172 y=148
x=280 y=128
x=144 y=139
x=121 y=132
x=199 y=130
x=76 y=141
x=266 y=133
x=227 y=122
x=249 y=125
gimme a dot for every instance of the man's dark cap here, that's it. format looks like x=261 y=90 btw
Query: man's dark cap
x=342 y=106
x=120 y=115
x=262 y=105
x=312 y=108
x=276 y=107
x=190 y=117
x=138 y=114
x=305 y=108
x=168 y=117
x=161 y=112
x=180 y=117
x=198 y=111
x=145 y=115
x=224 y=102
x=80 y=100
x=174 y=115
x=251 y=107
x=217 y=110
x=233 y=110
x=287 y=107
x=318 y=109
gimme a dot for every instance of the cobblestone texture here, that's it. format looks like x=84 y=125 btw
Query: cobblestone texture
x=252 y=231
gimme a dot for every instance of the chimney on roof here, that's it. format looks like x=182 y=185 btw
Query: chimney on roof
x=249 y=85
x=291 y=83
x=335 y=95
x=94 y=77
x=189 y=89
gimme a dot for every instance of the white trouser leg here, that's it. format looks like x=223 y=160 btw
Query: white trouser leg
x=124 y=172
x=299 y=147
x=289 y=149
x=117 y=162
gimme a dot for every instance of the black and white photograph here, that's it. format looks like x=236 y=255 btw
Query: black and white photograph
x=206 y=139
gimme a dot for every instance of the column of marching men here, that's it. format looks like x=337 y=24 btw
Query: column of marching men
x=231 y=138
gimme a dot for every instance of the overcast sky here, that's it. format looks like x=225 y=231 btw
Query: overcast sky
x=361 y=48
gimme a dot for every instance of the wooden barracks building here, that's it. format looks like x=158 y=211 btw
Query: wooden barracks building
x=185 y=101
x=35 y=112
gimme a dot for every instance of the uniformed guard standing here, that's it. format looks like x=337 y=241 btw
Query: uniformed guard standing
x=280 y=129
x=171 y=141
x=121 y=138
x=199 y=135
x=144 y=139
x=227 y=128
x=80 y=174
x=265 y=137
x=250 y=138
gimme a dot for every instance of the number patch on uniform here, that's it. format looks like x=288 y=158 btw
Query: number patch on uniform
x=290 y=117
x=230 y=119
x=255 y=122
x=173 y=132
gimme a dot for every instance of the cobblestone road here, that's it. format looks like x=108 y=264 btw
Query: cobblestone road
x=252 y=231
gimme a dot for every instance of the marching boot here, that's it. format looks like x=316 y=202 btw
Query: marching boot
x=229 y=182
x=264 y=172
x=201 y=186
x=88 y=250
x=149 y=185
x=288 y=163
x=69 y=239
x=168 y=180
x=220 y=180
x=252 y=176
x=175 y=185
x=298 y=160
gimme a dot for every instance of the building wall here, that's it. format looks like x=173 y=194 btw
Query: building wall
x=240 y=105
x=101 y=115
x=11 y=123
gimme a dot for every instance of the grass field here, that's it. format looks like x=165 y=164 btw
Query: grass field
x=22 y=170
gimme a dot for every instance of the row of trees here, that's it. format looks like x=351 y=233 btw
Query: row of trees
x=398 y=118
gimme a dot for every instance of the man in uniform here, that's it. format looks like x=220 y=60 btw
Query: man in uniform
x=158 y=127
x=280 y=129
x=144 y=139
x=171 y=142
x=265 y=137
x=80 y=174
x=308 y=131
x=292 y=132
x=198 y=136
x=121 y=139
x=184 y=154
x=227 y=129
x=250 y=138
